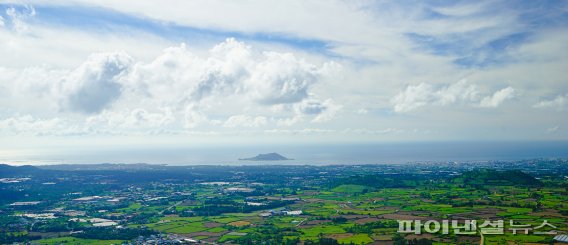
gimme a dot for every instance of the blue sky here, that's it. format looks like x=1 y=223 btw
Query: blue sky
x=100 y=19
x=531 y=18
x=222 y=72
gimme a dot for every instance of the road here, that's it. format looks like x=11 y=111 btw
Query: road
x=176 y=204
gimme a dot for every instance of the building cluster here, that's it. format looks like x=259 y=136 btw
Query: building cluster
x=281 y=212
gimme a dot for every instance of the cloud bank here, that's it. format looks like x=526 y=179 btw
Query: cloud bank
x=459 y=93
x=114 y=92
x=457 y=70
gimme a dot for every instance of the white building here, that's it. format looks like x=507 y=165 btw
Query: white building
x=294 y=212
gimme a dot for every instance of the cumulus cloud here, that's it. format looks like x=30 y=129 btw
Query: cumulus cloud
x=131 y=119
x=207 y=88
x=232 y=68
x=416 y=96
x=312 y=107
x=497 y=98
x=193 y=117
x=95 y=84
x=460 y=91
x=281 y=78
x=142 y=117
x=180 y=80
x=179 y=76
x=224 y=70
x=558 y=103
x=30 y=90
x=329 y=113
x=113 y=93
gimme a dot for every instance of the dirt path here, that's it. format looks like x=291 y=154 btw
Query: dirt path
x=301 y=222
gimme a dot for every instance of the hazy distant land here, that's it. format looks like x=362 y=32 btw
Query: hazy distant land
x=266 y=157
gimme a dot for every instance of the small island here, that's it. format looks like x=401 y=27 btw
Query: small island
x=266 y=157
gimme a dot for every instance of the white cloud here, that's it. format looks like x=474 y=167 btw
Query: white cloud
x=18 y=17
x=289 y=121
x=457 y=92
x=225 y=69
x=176 y=90
x=557 y=103
x=415 y=96
x=30 y=90
x=130 y=120
x=329 y=113
x=311 y=107
x=95 y=84
x=185 y=87
x=357 y=25
x=362 y=111
x=497 y=98
x=467 y=9
x=312 y=19
x=305 y=131
x=124 y=122
x=460 y=93
x=552 y=129
x=26 y=123
x=30 y=125
x=365 y=131
x=281 y=78
x=245 y=121
x=193 y=117
x=178 y=76
x=65 y=48
x=148 y=119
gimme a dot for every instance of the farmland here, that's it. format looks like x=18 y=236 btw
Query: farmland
x=356 y=204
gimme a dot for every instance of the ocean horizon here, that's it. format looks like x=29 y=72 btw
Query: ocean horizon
x=301 y=154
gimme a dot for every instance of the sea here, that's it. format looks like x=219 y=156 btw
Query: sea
x=302 y=154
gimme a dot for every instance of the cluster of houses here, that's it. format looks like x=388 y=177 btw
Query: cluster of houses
x=281 y=212
x=25 y=203
x=13 y=180
x=97 y=222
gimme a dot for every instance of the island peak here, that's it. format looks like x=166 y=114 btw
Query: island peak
x=266 y=157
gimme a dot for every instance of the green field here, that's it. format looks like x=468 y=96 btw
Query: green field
x=73 y=240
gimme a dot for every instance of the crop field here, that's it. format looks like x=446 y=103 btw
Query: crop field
x=73 y=240
x=356 y=207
